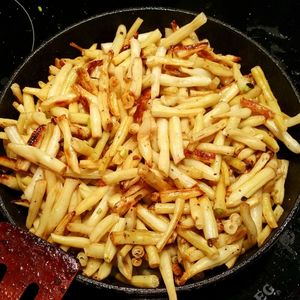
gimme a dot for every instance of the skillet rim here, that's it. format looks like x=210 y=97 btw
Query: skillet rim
x=223 y=274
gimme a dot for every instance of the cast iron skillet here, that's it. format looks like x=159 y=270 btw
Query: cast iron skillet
x=224 y=39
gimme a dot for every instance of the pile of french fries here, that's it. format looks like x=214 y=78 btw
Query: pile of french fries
x=154 y=157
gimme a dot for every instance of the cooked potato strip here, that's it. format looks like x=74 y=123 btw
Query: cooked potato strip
x=103 y=227
x=163 y=144
x=139 y=237
x=184 y=31
x=225 y=254
x=178 y=210
x=165 y=268
x=61 y=204
x=38 y=157
x=198 y=241
x=36 y=202
x=70 y=241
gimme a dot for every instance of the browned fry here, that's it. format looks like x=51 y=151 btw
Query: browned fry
x=7 y=162
x=84 y=94
x=224 y=59
x=133 y=189
x=37 y=136
x=188 y=50
x=122 y=206
x=125 y=185
x=85 y=80
x=257 y=108
x=142 y=105
x=92 y=65
x=81 y=132
x=177 y=270
x=153 y=179
x=204 y=156
x=61 y=227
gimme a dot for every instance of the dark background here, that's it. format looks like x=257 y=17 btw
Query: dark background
x=273 y=24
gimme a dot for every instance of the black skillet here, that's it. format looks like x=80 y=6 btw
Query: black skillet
x=224 y=39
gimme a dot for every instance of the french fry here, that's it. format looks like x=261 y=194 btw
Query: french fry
x=225 y=254
x=117 y=176
x=175 y=137
x=165 y=269
x=119 y=40
x=103 y=227
x=70 y=241
x=92 y=266
x=133 y=237
x=56 y=87
x=110 y=249
x=163 y=144
x=263 y=235
x=207 y=172
x=80 y=228
x=198 y=241
x=46 y=211
x=143 y=138
x=249 y=224
x=168 y=208
x=262 y=82
x=184 y=31
x=161 y=111
x=152 y=179
x=134 y=28
x=210 y=228
x=104 y=270
x=70 y=153
x=95 y=250
x=151 y=219
x=140 y=281
x=178 y=210
x=260 y=164
x=101 y=209
x=172 y=195
x=36 y=202
x=279 y=189
x=191 y=81
x=92 y=199
x=251 y=186
x=208 y=131
x=95 y=121
x=61 y=205
x=267 y=210
x=38 y=157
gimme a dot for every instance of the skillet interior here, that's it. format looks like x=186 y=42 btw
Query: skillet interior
x=225 y=40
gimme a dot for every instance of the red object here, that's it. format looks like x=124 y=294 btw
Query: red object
x=30 y=259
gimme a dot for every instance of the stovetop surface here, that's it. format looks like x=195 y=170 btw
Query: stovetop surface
x=273 y=24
